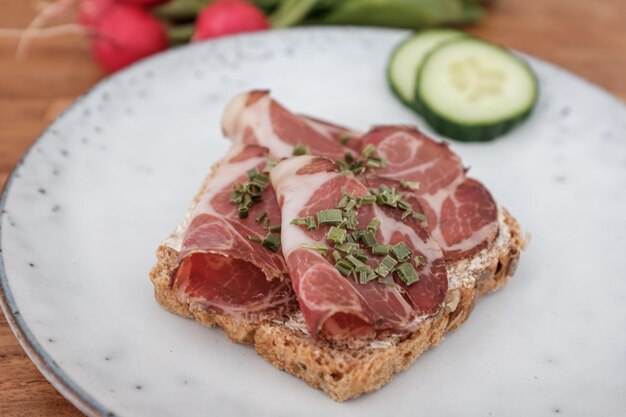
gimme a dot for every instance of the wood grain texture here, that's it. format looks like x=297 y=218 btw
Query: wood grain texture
x=588 y=38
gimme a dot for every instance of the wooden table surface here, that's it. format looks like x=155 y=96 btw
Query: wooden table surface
x=586 y=37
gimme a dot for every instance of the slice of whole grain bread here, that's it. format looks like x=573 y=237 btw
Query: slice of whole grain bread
x=347 y=370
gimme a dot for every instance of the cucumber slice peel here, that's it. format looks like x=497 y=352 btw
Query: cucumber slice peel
x=407 y=57
x=471 y=90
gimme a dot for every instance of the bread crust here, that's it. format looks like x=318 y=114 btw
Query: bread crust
x=345 y=371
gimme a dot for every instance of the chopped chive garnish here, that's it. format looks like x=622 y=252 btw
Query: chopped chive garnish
x=367 y=199
x=266 y=223
x=354 y=261
x=271 y=241
x=344 y=267
x=388 y=196
x=368 y=237
x=255 y=239
x=386 y=266
x=401 y=251
x=374 y=162
x=247 y=193
x=336 y=235
x=260 y=216
x=349 y=244
x=343 y=202
x=380 y=250
x=319 y=247
x=275 y=228
x=404 y=205
x=357 y=166
x=236 y=196
x=419 y=216
x=343 y=139
x=351 y=220
x=369 y=150
x=300 y=149
x=407 y=273
x=393 y=198
x=310 y=223
x=271 y=163
x=347 y=247
x=257 y=178
x=251 y=173
x=360 y=255
x=370 y=276
x=329 y=216
x=307 y=221
x=386 y=281
x=260 y=181
x=373 y=224
x=413 y=185
x=362 y=273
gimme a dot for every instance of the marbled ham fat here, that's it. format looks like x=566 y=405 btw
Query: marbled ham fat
x=332 y=305
x=255 y=118
x=220 y=268
x=223 y=271
x=462 y=214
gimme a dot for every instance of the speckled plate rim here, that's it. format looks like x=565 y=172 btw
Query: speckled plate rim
x=37 y=354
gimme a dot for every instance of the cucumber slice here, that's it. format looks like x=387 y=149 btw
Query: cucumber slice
x=471 y=90
x=407 y=57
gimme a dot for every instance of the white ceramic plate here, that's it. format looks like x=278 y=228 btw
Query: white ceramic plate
x=85 y=210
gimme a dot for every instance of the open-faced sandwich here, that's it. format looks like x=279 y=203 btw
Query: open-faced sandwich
x=340 y=256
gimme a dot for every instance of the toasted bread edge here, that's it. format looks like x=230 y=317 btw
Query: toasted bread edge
x=343 y=372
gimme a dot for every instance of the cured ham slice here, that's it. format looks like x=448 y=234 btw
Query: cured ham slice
x=336 y=306
x=220 y=268
x=461 y=212
x=255 y=118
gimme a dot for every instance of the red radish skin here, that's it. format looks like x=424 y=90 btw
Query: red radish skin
x=227 y=17
x=91 y=11
x=144 y=3
x=125 y=34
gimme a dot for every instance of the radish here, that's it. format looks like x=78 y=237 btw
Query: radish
x=91 y=11
x=144 y=3
x=226 y=17
x=123 y=34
